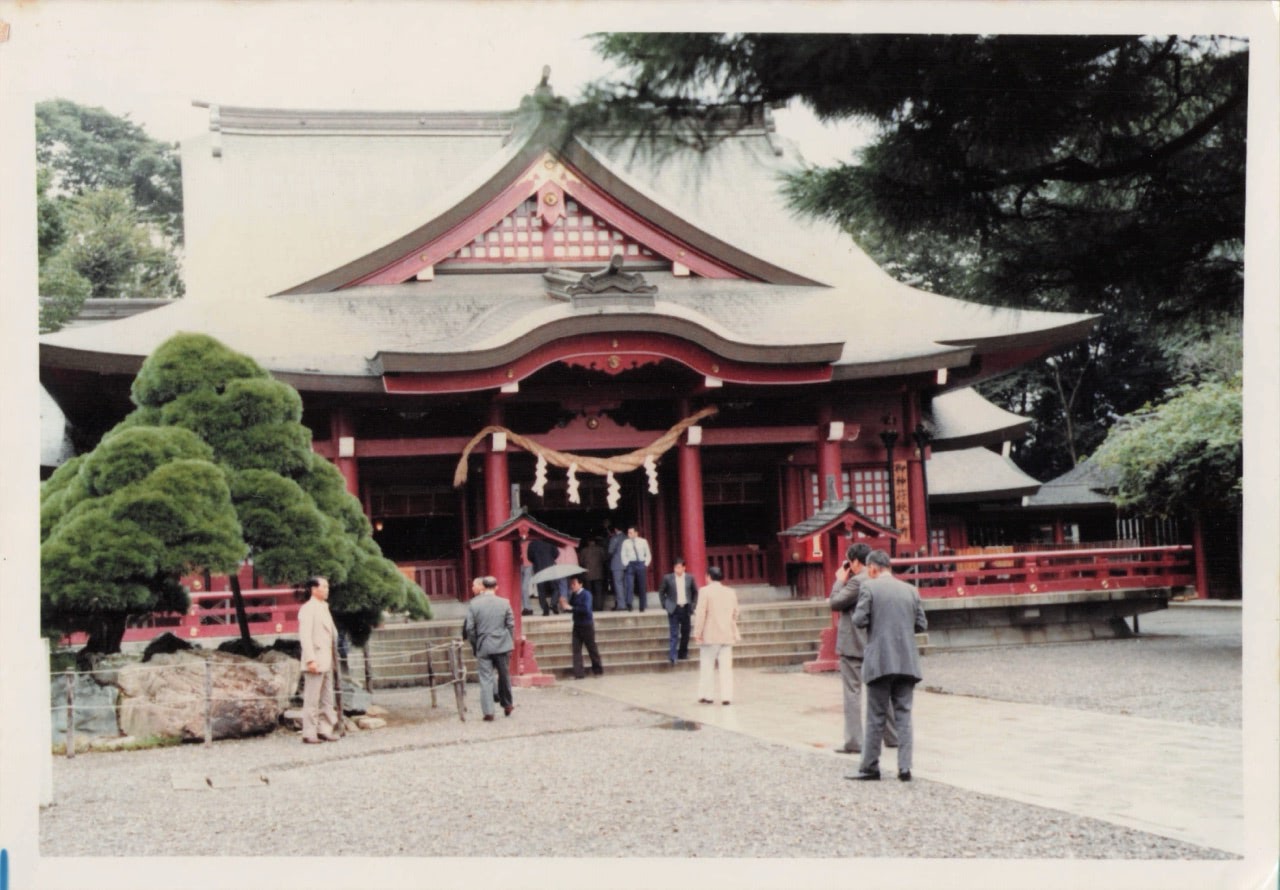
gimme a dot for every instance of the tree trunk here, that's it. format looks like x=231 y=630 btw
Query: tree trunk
x=237 y=598
x=106 y=631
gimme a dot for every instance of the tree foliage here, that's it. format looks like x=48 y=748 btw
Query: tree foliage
x=1182 y=456
x=290 y=508
x=109 y=205
x=1099 y=174
x=122 y=524
x=89 y=149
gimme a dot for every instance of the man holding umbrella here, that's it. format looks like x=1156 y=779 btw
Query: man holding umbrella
x=584 y=628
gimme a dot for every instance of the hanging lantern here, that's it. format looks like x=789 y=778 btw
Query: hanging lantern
x=652 y=469
x=540 y=476
x=573 y=484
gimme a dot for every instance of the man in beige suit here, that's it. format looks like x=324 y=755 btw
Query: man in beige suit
x=715 y=630
x=316 y=633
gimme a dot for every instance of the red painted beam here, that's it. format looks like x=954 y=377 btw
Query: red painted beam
x=610 y=354
x=605 y=438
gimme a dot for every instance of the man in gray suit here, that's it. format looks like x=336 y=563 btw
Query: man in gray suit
x=891 y=612
x=488 y=627
x=851 y=642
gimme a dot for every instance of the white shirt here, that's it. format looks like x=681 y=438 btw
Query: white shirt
x=636 y=550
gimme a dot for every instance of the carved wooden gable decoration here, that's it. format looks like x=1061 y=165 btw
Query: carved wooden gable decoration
x=549 y=215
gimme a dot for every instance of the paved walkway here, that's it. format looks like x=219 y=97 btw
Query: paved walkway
x=1175 y=780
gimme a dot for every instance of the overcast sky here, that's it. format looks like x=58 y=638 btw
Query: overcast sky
x=151 y=59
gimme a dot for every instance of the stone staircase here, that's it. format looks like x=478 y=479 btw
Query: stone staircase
x=778 y=632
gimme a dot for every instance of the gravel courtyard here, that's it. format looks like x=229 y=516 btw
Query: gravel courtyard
x=572 y=774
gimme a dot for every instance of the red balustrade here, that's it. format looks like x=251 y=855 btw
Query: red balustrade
x=271 y=611
x=741 y=564
x=438 y=578
x=1008 y=572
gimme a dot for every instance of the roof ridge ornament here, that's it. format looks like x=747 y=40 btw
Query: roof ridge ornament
x=607 y=287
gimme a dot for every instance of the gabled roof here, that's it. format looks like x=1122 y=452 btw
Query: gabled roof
x=976 y=474
x=1084 y=485
x=838 y=514
x=521 y=521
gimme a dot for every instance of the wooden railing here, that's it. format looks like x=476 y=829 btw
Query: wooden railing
x=1007 y=572
x=438 y=578
x=270 y=610
x=741 y=564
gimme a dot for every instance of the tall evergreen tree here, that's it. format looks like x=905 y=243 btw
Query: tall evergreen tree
x=1100 y=174
x=241 y=431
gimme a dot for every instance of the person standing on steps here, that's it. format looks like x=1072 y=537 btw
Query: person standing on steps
x=584 y=628
x=679 y=596
x=617 y=570
x=488 y=627
x=891 y=612
x=851 y=643
x=715 y=630
x=317 y=637
x=636 y=557
x=543 y=554
x=592 y=557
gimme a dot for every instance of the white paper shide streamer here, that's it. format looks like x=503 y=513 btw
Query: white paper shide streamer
x=652 y=469
x=573 y=484
x=540 y=476
x=614 y=491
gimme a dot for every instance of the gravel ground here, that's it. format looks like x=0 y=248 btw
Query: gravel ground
x=592 y=777
x=1185 y=667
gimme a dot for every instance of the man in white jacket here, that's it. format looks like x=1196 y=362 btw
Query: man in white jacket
x=316 y=633
x=715 y=630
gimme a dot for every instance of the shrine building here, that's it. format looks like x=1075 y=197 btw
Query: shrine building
x=483 y=312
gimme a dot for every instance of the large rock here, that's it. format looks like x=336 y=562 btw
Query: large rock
x=289 y=671
x=95 y=709
x=166 y=697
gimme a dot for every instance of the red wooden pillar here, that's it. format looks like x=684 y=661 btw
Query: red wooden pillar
x=829 y=485
x=1197 y=554
x=342 y=431
x=693 y=534
x=915 y=480
x=501 y=557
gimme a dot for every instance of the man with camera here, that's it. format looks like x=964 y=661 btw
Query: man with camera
x=851 y=643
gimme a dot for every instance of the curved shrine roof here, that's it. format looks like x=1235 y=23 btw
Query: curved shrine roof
x=279 y=204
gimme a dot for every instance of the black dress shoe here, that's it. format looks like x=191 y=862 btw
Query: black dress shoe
x=904 y=775
x=864 y=777
x=508 y=709
x=848 y=750
x=526 y=611
x=488 y=716
x=705 y=701
x=891 y=744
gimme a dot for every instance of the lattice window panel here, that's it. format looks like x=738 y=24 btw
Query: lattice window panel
x=523 y=237
x=871 y=495
x=869 y=490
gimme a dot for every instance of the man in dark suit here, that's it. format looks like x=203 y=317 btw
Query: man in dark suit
x=679 y=596
x=542 y=553
x=488 y=627
x=891 y=612
x=851 y=643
